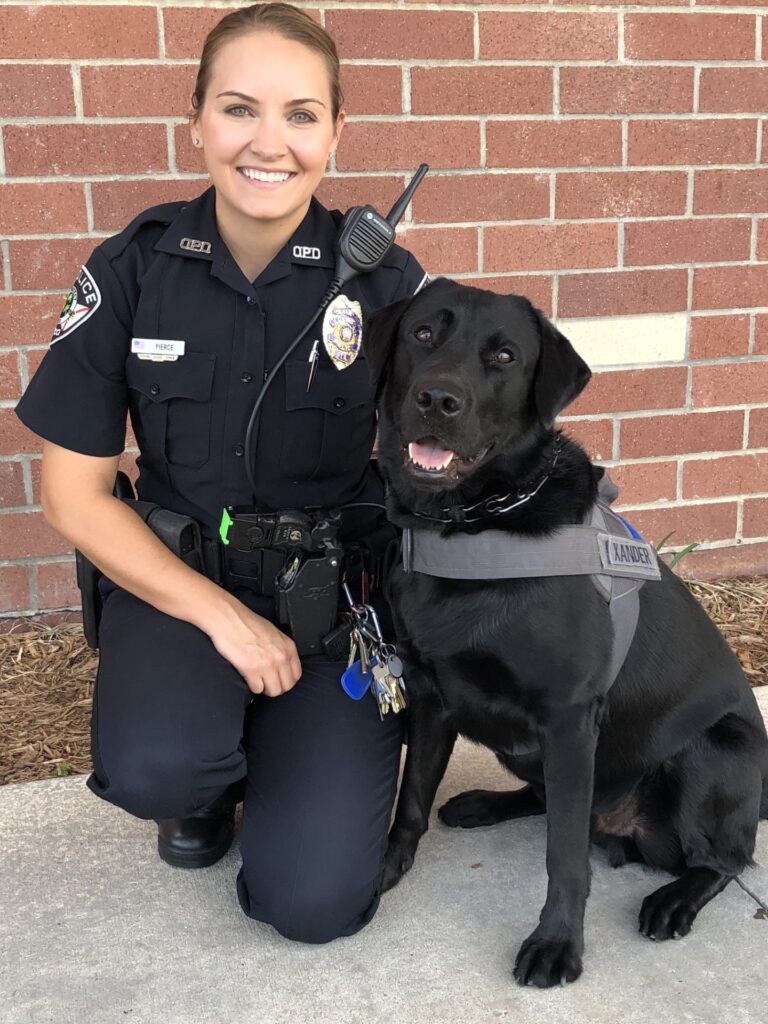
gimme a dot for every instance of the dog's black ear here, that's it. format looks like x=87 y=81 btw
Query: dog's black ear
x=379 y=334
x=561 y=374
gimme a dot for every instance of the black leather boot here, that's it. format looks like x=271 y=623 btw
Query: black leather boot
x=202 y=840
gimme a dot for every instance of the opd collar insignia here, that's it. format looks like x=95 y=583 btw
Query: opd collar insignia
x=195 y=245
x=343 y=331
x=83 y=300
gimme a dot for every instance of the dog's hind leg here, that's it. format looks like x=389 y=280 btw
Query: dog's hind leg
x=669 y=912
x=718 y=783
x=488 y=807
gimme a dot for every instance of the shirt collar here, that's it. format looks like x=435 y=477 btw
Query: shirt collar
x=193 y=234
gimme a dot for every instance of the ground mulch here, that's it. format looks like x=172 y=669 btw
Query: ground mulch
x=47 y=676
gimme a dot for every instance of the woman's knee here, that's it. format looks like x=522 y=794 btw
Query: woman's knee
x=147 y=784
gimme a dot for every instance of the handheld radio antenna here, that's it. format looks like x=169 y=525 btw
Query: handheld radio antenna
x=397 y=211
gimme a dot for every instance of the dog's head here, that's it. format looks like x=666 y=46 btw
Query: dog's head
x=463 y=376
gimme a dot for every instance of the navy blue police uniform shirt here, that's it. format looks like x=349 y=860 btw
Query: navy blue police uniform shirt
x=168 y=276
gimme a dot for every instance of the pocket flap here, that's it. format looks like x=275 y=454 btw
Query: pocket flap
x=332 y=390
x=189 y=376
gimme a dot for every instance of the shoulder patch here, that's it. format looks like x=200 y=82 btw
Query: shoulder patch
x=83 y=300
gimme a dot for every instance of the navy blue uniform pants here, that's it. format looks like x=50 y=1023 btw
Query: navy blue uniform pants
x=174 y=726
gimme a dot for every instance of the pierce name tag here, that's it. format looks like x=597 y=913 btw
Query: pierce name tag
x=624 y=556
x=160 y=350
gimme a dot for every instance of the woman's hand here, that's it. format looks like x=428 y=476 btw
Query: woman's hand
x=266 y=658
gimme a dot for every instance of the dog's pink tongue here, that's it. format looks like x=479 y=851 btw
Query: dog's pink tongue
x=427 y=453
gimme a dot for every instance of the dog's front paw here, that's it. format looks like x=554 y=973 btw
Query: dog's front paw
x=398 y=858
x=667 y=913
x=545 y=962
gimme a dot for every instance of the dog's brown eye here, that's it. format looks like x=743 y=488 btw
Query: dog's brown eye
x=423 y=334
x=505 y=355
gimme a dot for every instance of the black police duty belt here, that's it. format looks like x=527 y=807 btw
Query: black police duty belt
x=292 y=556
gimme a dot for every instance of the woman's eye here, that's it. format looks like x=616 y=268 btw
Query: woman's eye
x=238 y=111
x=303 y=117
x=505 y=355
x=423 y=334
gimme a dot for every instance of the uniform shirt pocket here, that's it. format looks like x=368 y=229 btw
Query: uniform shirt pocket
x=173 y=406
x=331 y=427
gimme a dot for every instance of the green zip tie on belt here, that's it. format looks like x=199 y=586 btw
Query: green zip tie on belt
x=224 y=525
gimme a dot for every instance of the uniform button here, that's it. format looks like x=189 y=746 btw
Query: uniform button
x=339 y=403
x=251 y=301
x=239 y=450
x=246 y=377
x=154 y=389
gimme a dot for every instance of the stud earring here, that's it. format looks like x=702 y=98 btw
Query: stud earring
x=196 y=142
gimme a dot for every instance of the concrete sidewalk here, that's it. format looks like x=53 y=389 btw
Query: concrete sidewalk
x=95 y=928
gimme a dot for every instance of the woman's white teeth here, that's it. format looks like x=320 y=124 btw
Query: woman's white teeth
x=263 y=176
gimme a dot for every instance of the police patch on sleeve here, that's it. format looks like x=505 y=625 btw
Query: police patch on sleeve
x=83 y=300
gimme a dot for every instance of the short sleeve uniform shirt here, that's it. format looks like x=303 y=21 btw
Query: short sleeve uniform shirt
x=169 y=277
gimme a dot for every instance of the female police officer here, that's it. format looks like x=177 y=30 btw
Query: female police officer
x=222 y=285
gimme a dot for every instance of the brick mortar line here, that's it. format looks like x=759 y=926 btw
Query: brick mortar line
x=556 y=91
x=77 y=90
x=161 y=31
x=34 y=594
x=615 y=438
x=758 y=35
x=745 y=432
x=399 y=117
x=420 y=62
x=325 y=6
x=687 y=457
x=6 y=257
x=638 y=414
x=444 y=172
x=89 y=217
x=2 y=153
x=548 y=220
x=405 y=89
x=26 y=473
x=475 y=34
x=170 y=141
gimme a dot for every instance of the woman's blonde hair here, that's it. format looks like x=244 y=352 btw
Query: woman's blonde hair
x=283 y=19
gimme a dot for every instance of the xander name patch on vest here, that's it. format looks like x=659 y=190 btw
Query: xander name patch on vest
x=634 y=558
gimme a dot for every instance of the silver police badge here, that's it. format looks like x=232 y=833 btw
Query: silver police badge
x=343 y=331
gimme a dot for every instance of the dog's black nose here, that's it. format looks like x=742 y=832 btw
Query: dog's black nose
x=448 y=402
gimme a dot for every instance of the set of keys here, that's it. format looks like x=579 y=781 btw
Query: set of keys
x=372 y=664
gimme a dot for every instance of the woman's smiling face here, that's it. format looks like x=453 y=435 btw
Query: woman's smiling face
x=266 y=127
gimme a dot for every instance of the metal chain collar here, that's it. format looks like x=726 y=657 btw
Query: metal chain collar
x=496 y=504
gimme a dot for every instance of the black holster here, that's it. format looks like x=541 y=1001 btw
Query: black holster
x=179 y=533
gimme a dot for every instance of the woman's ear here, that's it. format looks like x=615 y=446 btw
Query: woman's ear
x=340 y=122
x=561 y=374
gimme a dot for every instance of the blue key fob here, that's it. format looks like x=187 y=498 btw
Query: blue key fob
x=355 y=682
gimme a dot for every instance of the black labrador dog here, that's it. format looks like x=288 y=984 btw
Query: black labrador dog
x=666 y=766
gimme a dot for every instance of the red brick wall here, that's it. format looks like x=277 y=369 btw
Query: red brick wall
x=605 y=162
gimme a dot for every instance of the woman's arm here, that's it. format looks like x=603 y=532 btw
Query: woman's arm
x=77 y=501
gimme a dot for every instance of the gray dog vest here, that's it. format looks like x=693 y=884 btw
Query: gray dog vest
x=604 y=547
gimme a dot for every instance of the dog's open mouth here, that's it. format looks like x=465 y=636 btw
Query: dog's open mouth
x=428 y=458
